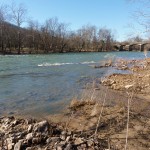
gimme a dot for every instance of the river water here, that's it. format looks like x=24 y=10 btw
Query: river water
x=44 y=84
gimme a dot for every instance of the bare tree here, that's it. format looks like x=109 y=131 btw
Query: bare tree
x=87 y=33
x=3 y=16
x=105 y=38
x=18 y=17
x=32 y=36
x=141 y=15
x=62 y=36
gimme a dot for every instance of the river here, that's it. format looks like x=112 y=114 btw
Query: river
x=44 y=84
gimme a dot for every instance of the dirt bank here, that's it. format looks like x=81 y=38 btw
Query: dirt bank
x=77 y=129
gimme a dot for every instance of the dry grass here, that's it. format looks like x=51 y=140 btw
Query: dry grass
x=76 y=104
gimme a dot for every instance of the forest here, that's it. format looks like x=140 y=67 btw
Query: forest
x=50 y=37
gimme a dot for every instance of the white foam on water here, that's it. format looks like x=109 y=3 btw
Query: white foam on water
x=90 y=62
x=61 y=64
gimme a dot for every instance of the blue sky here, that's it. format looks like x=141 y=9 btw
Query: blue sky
x=113 y=14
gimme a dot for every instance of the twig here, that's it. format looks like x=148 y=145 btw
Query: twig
x=69 y=119
x=108 y=143
x=100 y=115
x=128 y=117
x=93 y=91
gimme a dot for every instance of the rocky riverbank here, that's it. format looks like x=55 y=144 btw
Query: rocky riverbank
x=138 y=80
x=29 y=134
x=77 y=131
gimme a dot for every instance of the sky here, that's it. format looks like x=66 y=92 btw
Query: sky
x=113 y=14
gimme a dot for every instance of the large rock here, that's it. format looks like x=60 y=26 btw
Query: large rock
x=42 y=126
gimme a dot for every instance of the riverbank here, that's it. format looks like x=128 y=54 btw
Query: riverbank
x=84 y=126
x=97 y=121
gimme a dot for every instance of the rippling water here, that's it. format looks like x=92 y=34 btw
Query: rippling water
x=44 y=84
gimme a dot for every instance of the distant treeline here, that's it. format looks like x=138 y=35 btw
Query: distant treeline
x=49 y=37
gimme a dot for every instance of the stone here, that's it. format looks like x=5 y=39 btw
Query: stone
x=19 y=135
x=29 y=148
x=29 y=121
x=63 y=142
x=30 y=128
x=41 y=126
x=78 y=141
x=7 y=121
x=15 y=122
x=29 y=136
x=68 y=138
x=129 y=86
x=10 y=146
x=90 y=143
x=69 y=147
x=35 y=140
x=59 y=147
x=83 y=146
x=63 y=137
x=63 y=132
x=55 y=139
x=10 y=143
x=69 y=133
x=48 y=140
x=2 y=117
x=75 y=135
x=18 y=146
x=10 y=140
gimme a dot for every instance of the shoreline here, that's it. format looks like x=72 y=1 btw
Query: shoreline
x=68 y=52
